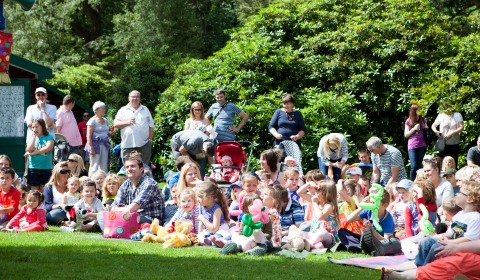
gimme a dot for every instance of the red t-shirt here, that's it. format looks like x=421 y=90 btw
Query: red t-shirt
x=10 y=199
x=82 y=127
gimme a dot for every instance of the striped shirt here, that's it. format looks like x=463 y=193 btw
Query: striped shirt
x=224 y=120
x=390 y=159
x=147 y=194
x=292 y=215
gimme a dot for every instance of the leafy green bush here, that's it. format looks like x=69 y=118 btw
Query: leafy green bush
x=354 y=67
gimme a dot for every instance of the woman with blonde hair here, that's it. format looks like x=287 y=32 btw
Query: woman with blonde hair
x=189 y=177
x=76 y=165
x=332 y=154
x=54 y=192
x=196 y=121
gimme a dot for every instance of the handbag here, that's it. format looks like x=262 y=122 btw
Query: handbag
x=429 y=136
x=120 y=224
x=440 y=144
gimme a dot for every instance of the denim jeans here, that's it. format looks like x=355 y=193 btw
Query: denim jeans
x=416 y=157
x=55 y=216
x=336 y=171
x=426 y=251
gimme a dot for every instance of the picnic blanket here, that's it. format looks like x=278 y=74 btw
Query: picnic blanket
x=398 y=263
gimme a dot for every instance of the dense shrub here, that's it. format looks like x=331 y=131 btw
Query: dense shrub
x=354 y=67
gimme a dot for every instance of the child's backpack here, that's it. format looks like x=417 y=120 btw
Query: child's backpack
x=61 y=151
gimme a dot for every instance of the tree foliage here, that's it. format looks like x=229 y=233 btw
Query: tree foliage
x=354 y=66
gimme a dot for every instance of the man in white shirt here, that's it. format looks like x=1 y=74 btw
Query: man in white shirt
x=136 y=124
x=41 y=110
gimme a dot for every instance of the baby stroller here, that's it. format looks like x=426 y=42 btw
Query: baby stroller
x=236 y=151
x=61 y=150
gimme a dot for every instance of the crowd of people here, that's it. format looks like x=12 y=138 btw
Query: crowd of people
x=372 y=205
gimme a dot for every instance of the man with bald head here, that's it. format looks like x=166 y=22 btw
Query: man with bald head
x=136 y=124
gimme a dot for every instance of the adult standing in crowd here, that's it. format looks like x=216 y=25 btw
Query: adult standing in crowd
x=287 y=124
x=473 y=156
x=82 y=128
x=196 y=145
x=223 y=114
x=41 y=110
x=54 y=192
x=196 y=121
x=332 y=152
x=136 y=124
x=139 y=192
x=449 y=124
x=67 y=125
x=98 y=146
x=387 y=162
x=417 y=146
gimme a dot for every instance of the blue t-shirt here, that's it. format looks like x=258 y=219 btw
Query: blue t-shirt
x=292 y=215
x=386 y=222
x=224 y=120
x=99 y=130
x=43 y=161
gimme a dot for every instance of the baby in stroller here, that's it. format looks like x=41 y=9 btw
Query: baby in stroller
x=228 y=174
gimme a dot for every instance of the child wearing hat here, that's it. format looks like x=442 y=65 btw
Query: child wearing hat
x=400 y=211
x=354 y=173
x=228 y=173
x=449 y=175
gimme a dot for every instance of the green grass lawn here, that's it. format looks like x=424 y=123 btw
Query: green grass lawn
x=60 y=255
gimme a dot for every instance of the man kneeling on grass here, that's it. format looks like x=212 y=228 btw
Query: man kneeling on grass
x=372 y=241
x=139 y=193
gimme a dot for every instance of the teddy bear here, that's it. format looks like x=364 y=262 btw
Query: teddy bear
x=172 y=236
x=179 y=238
x=295 y=240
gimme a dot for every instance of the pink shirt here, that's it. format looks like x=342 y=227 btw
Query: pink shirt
x=416 y=140
x=68 y=127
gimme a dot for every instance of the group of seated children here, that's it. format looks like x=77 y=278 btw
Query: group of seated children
x=81 y=202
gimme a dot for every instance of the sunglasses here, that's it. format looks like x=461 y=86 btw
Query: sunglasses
x=72 y=160
x=85 y=116
x=64 y=171
x=198 y=110
x=40 y=94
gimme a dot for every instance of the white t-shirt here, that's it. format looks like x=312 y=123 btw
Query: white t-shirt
x=95 y=207
x=135 y=135
x=443 y=191
x=447 y=124
x=465 y=225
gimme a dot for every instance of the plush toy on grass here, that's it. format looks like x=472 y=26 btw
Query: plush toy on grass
x=377 y=198
x=295 y=240
x=175 y=236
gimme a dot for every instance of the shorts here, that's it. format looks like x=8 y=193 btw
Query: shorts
x=38 y=177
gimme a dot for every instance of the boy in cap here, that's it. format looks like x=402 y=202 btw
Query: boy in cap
x=405 y=226
x=449 y=175
x=354 y=173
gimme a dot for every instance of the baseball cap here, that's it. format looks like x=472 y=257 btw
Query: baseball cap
x=404 y=184
x=41 y=89
x=354 y=171
x=449 y=171
x=122 y=172
x=236 y=184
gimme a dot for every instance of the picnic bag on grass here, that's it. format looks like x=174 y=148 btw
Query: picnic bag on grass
x=120 y=224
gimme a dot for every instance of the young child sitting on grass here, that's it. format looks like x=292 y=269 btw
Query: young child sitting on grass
x=347 y=204
x=291 y=177
x=252 y=245
x=400 y=209
x=86 y=210
x=70 y=197
x=189 y=210
x=351 y=240
x=98 y=177
x=32 y=216
x=171 y=206
x=110 y=187
x=9 y=196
